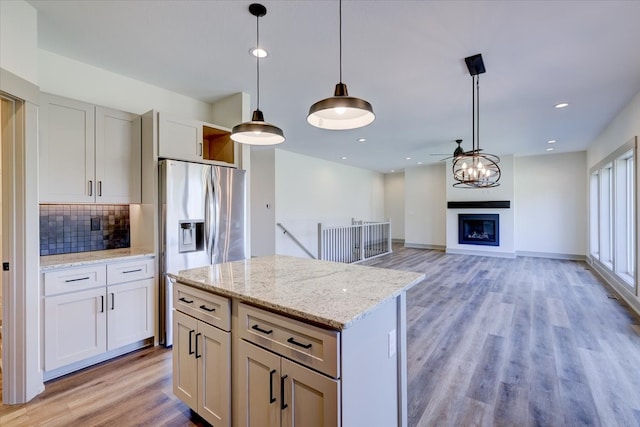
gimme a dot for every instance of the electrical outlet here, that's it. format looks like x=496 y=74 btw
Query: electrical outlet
x=95 y=224
x=392 y=343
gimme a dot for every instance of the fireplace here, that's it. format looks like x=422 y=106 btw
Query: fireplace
x=479 y=229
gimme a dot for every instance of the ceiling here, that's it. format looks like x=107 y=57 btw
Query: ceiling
x=405 y=57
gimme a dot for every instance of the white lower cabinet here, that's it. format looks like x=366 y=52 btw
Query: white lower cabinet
x=90 y=311
x=202 y=366
x=75 y=327
x=129 y=313
x=274 y=391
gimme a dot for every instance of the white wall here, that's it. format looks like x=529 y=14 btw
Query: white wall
x=622 y=129
x=263 y=196
x=67 y=77
x=551 y=204
x=425 y=206
x=505 y=191
x=394 y=203
x=310 y=190
x=19 y=39
x=625 y=126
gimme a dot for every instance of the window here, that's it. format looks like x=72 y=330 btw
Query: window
x=612 y=214
x=594 y=218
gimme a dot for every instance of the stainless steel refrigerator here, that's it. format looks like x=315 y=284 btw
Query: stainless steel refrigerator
x=203 y=222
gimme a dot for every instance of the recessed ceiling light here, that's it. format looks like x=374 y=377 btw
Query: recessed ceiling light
x=561 y=105
x=407 y=158
x=259 y=52
x=419 y=163
x=362 y=139
x=550 y=149
x=551 y=141
x=393 y=170
x=344 y=158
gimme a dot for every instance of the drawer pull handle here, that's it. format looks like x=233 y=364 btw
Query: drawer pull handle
x=198 y=356
x=271 y=398
x=132 y=271
x=259 y=329
x=204 y=307
x=191 y=341
x=282 y=404
x=77 y=280
x=299 y=344
x=101 y=303
x=113 y=301
x=183 y=299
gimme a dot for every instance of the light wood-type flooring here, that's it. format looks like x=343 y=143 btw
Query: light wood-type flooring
x=491 y=342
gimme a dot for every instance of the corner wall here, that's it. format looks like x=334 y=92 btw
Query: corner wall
x=310 y=190
x=425 y=206
x=551 y=205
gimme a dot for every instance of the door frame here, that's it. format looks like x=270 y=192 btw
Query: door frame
x=22 y=376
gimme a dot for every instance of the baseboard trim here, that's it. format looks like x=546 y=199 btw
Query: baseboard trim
x=424 y=246
x=510 y=255
x=552 y=255
x=616 y=284
x=399 y=241
x=64 y=370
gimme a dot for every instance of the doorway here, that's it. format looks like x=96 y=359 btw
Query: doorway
x=7 y=134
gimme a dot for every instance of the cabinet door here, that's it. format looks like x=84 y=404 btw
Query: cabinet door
x=118 y=156
x=129 y=313
x=213 y=351
x=311 y=399
x=259 y=387
x=179 y=139
x=66 y=150
x=185 y=365
x=75 y=327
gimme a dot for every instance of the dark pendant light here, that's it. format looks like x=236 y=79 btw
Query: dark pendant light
x=474 y=169
x=341 y=111
x=257 y=131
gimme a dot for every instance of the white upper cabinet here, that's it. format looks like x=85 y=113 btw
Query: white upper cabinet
x=195 y=141
x=88 y=154
x=118 y=150
x=67 y=144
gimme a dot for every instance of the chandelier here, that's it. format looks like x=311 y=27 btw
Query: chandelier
x=474 y=169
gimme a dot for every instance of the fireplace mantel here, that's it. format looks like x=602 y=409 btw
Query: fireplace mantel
x=489 y=204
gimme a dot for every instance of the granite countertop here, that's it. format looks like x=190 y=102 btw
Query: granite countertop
x=332 y=294
x=77 y=259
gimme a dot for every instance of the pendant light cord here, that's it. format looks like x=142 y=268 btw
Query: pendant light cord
x=258 y=60
x=478 y=111
x=473 y=114
x=340 y=37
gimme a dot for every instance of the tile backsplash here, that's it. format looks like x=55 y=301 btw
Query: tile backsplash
x=81 y=228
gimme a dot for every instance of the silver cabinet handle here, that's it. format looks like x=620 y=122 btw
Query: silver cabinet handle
x=100 y=188
x=90 y=188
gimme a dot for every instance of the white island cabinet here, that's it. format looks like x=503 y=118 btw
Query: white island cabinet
x=314 y=343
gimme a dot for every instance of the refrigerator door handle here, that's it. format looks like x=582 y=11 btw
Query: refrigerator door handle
x=217 y=194
x=208 y=210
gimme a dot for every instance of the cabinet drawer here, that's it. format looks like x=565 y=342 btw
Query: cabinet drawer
x=128 y=271
x=210 y=308
x=74 y=279
x=309 y=345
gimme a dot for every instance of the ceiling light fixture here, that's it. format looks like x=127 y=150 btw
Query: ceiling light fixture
x=362 y=139
x=341 y=111
x=561 y=105
x=474 y=169
x=549 y=149
x=551 y=141
x=259 y=52
x=257 y=131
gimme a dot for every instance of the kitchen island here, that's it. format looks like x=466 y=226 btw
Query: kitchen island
x=280 y=340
